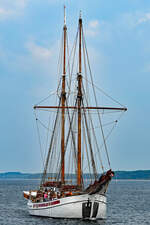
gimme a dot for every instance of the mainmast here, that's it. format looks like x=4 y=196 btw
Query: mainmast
x=63 y=99
x=79 y=99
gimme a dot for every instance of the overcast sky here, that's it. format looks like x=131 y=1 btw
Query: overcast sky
x=118 y=36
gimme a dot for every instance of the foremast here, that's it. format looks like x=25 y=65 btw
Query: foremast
x=79 y=100
x=63 y=99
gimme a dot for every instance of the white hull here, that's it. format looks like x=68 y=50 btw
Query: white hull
x=80 y=207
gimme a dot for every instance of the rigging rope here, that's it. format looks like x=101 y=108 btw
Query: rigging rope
x=46 y=164
x=70 y=131
x=96 y=102
x=38 y=131
x=94 y=134
x=73 y=51
x=84 y=136
x=90 y=145
x=98 y=88
x=43 y=125
x=52 y=93
x=47 y=137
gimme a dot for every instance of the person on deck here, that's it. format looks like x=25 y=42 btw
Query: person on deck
x=45 y=197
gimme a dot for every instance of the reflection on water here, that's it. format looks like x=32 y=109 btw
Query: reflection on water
x=128 y=203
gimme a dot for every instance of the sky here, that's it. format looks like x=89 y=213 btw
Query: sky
x=118 y=36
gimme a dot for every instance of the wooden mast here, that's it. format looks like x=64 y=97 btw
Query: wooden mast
x=79 y=99
x=63 y=98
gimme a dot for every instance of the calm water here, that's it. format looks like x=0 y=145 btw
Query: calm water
x=128 y=203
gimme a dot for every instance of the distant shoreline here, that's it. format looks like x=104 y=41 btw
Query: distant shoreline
x=119 y=175
x=27 y=179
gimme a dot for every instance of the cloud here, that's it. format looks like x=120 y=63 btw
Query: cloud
x=38 y=52
x=58 y=1
x=93 y=28
x=15 y=3
x=11 y=8
x=132 y=20
x=94 y=24
x=40 y=59
x=20 y=3
x=5 y=13
x=145 y=18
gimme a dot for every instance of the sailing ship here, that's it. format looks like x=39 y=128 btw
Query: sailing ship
x=71 y=185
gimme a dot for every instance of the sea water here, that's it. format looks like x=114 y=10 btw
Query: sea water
x=128 y=203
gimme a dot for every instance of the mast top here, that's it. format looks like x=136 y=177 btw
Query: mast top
x=80 y=15
x=64 y=15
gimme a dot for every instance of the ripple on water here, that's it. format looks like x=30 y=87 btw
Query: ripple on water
x=128 y=203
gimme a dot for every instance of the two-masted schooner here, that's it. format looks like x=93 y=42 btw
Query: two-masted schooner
x=71 y=184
